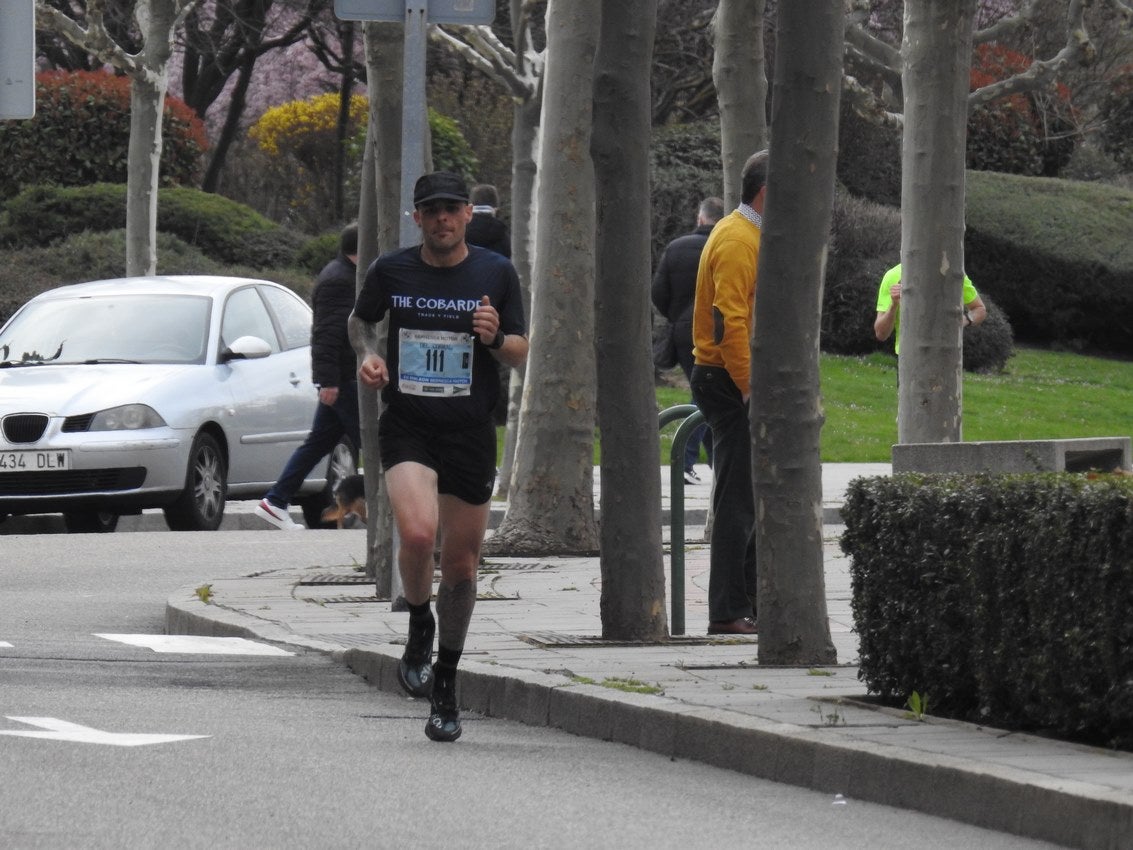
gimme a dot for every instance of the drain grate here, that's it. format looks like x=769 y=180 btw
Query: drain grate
x=492 y=566
x=562 y=641
x=482 y=596
x=334 y=578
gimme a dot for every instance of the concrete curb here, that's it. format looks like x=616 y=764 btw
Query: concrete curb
x=1010 y=800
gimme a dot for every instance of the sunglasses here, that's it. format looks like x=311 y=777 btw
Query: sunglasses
x=436 y=208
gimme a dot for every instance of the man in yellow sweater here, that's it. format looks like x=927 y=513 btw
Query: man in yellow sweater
x=721 y=384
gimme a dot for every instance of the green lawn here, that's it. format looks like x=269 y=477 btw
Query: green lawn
x=1041 y=395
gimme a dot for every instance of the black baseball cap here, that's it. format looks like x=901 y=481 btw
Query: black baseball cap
x=439 y=185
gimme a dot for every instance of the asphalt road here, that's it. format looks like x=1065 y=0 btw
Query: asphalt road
x=291 y=750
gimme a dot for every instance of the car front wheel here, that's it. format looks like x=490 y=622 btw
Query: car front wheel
x=200 y=507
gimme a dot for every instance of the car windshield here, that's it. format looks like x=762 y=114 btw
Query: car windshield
x=108 y=329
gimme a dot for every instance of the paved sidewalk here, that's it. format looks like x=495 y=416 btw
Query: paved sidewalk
x=534 y=654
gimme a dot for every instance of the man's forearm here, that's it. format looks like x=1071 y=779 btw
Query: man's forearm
x=363 y=336
x=513 y=352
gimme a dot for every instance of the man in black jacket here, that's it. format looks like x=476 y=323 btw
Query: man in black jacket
x=334 y=371
x=673 y=293
x=486 y=229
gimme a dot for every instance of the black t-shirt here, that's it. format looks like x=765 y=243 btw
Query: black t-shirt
x=439 y=372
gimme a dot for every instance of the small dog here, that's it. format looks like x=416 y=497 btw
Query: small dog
x=349 y=508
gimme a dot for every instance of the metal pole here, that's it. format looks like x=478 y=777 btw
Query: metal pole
x=693 y=418
x=414 y=121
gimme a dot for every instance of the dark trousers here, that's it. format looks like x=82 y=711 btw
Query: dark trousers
x=682 y=338
x=732 y=576
x=331 y=423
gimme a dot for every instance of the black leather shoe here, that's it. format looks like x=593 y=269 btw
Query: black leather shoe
x=742 y=626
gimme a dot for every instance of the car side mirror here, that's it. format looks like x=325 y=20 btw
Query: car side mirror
x=246 y=348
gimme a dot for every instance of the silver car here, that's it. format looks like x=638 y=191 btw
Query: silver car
x=155 y=392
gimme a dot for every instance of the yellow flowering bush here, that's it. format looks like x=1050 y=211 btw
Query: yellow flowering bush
x=305 y=129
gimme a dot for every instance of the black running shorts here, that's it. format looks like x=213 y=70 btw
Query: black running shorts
x=464 y=459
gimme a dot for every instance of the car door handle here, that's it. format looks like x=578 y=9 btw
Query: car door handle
x=295 y=380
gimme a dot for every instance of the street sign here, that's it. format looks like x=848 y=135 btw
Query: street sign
x=17 y=58
x=416 y=15
x=468 y=12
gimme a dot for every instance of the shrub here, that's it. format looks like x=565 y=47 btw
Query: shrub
x=869 y=158
x=989 y=345
x=221 y=228
x=1005 y=597
x=1056 y=256
x=318 y=251
x=1021 y=133
x=451 y=152
x=81 y=131
x=483 y=113
x=297 y=142
x=849 y=306
x=685 y=169
x=1116 y=114
x=87 y=256
x=865 y=242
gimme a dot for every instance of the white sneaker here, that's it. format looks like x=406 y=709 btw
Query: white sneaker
x=279 y=517
x=691 y=476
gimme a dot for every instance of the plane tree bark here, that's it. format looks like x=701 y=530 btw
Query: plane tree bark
x=741 y=88
x=786 y=401
x=551 y=505
x=633 y=573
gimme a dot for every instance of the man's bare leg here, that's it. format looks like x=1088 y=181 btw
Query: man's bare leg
x=412 y=489
x=462 y=529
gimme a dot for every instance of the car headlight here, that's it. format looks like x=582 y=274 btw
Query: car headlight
x=128 y=417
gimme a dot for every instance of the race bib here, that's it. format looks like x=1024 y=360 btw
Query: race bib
x=434 y=363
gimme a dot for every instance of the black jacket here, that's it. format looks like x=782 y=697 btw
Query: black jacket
x=489 y=232
x=674 y=284
x=333 y=363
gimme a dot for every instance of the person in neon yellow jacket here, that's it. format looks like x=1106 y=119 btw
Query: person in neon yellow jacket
x=888 y=319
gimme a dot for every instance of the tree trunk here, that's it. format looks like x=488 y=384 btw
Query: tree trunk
x=632 y=564
x=143 y=159
x=346 y=35
x=231 y=127
x=741 y=88
x=551 y=510
x=524 y=133
x=937 y=52
x=378 y=225
x=787 y=412
x=143 y=174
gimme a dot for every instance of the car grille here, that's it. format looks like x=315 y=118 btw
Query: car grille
x=24 y=427
x=67 y=482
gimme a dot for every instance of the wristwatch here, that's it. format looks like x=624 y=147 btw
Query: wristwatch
x=498 y=342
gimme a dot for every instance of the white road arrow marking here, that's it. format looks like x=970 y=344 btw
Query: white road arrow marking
x=4 y=643
x=192 y=644
x=61 y=730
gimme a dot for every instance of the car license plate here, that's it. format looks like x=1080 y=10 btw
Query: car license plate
x=27 y=460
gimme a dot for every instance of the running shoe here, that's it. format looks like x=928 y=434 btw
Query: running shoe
x=279 y=517
x=415 y=669
x=691 y=476
x=444 y=717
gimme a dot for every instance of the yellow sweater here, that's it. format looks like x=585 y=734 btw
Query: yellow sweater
x=722 y=320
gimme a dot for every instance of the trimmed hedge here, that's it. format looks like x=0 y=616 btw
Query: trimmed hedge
x=223 y=229
x=26 y=272
x=1056 y=256
x=1004 y=599
x=81 y=132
